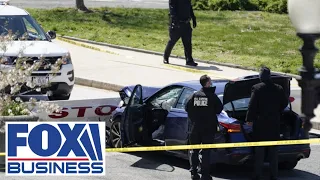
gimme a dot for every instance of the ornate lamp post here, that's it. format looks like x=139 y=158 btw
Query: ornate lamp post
x=305 y=17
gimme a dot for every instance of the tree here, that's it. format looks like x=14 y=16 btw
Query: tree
x=80 y=6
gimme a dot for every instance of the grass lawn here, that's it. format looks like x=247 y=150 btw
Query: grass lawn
x=249 y=39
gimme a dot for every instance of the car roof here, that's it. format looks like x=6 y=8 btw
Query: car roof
x=7 y=10
x=195 y=84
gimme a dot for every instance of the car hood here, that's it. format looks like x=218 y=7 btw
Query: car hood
x=33 y=48
x=240 y=89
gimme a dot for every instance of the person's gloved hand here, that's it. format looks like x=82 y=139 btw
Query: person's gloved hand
x=174 y=24
x=194 y=23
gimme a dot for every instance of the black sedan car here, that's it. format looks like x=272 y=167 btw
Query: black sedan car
x=159 y=119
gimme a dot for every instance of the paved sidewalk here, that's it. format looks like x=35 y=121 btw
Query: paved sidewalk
x=98 y=68
x=136 y=64
x=128 y=67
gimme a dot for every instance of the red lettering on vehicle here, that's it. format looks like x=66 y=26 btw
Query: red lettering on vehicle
x=61 y=114
x=99 y=111
x=103 y=110
x=81 y=111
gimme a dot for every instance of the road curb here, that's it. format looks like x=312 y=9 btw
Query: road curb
x=174 y=56
x=98 y=84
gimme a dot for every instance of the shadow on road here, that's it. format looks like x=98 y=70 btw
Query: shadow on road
x=160 y=161
x=203 y=68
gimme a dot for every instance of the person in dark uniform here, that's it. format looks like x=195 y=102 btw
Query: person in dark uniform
x=181 y=13
x=202 y=108
x=267 y=102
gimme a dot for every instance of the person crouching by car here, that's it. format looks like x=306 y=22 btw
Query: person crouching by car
x=202 y=108
x=267 y=102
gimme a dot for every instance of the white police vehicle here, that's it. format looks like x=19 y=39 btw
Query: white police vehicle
x=20 y=22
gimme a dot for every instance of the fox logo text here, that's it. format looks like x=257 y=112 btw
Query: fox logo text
x=55 y=148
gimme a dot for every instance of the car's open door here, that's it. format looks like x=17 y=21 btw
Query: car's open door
x=133 y=118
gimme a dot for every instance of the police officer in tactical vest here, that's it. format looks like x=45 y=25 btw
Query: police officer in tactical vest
x=267 y=102
x=181 y=13
x=202 y=108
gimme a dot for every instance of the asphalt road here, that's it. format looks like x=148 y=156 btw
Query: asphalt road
x=91 y=3
x=144 y=166
x=159 y=166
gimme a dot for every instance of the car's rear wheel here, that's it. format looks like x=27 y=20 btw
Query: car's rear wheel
x=115 y=134
x=288 y=165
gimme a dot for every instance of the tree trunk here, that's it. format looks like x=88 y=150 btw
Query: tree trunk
x=80 y=6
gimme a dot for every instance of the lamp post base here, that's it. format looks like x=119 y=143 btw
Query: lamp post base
x=309 y=80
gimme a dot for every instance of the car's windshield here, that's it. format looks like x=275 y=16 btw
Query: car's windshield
x=22 y=27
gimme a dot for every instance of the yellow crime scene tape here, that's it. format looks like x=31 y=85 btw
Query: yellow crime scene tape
x=214 y=146
x=210 y=146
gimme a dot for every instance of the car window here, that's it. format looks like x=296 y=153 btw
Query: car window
x=29 y=27
x=136 y=97
x=183 y=98
x=23 y=27
x=166 y=99
x=239 y=105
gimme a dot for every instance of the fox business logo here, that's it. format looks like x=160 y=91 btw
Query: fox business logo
x=55 y=148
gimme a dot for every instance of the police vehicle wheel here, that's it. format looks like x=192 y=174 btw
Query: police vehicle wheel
x=288 y=165
x=115 y=134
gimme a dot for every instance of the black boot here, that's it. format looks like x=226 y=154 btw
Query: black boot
x=191 y=63
x=166 y=61
x=194 y=174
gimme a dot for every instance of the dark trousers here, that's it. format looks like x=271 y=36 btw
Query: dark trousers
x=260 y=153
x=200 y=138
x=184 y=31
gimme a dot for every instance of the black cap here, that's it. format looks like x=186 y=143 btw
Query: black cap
x=265 y=74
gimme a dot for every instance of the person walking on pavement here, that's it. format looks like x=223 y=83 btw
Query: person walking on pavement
x=267 y=102
x=202 y=108
x=181 y=13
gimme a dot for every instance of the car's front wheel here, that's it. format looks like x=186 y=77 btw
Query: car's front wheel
x=288 y=165
x=115 y=134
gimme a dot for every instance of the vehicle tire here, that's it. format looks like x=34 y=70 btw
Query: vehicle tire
x=108 y=142
x=115 y=134
x=59 y=97
x=288 y=165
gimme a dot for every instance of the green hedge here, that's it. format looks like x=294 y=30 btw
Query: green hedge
x=273 y=6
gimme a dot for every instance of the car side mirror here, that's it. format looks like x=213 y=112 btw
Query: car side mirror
x=52 y=34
